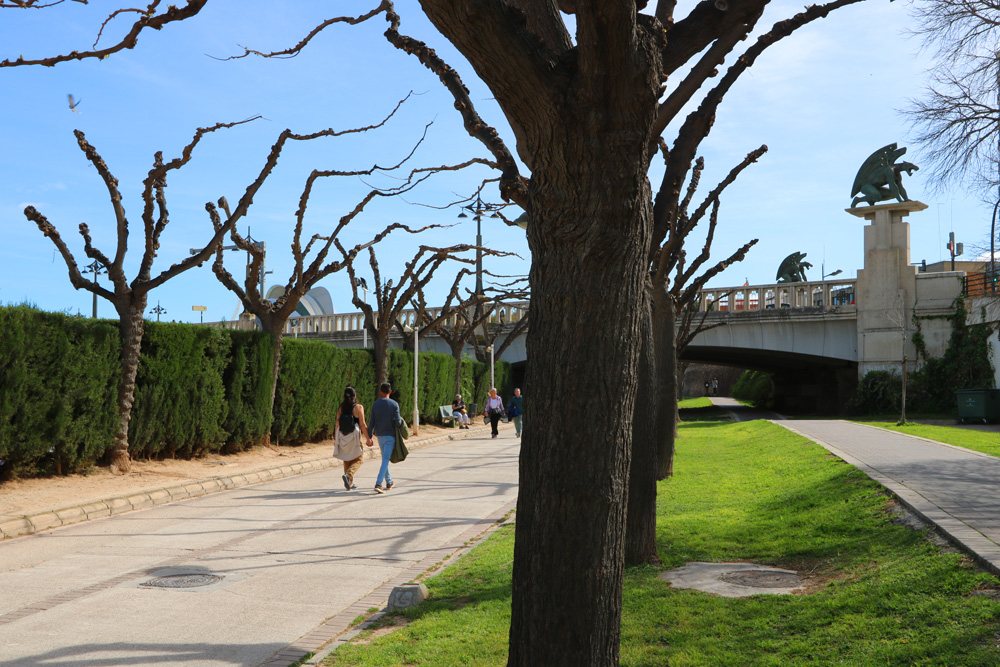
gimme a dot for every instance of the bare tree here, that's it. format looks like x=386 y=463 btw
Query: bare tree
x=957 y=117
x=147 y=17
x=587 y=110
x=130 y=298
x=465 y=320
x=671 y=284
x=391 y=299
x=308 y=269
x=494 y=324
x=453 y=305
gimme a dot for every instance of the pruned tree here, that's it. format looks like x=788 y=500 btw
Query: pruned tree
x=425 y=321
x=495 y=324
x=146 y=17
x=587 y=100
x=392 y=297
x=672 y=284
x=130 y=298
x=312 y=262
x=466 y=319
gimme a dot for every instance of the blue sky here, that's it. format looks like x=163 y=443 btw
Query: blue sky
x=822 y=100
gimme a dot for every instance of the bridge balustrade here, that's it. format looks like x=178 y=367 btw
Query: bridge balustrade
x=508 y=313
x=819 y=294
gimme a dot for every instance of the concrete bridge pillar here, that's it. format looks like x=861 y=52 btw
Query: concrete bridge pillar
x=886 y=288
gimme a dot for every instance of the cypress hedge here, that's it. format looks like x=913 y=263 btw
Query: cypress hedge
x=198 y=390
x=58 y=376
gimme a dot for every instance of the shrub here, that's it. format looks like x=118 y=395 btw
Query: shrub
x=59 y=379
x=878 y=393
x=755 y=387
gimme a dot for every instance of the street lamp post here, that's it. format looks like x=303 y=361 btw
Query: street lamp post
x=492 y=379
x=477 y=209
x=416 y=378
x=363 y=284
x=95 y=267
x=159 y=310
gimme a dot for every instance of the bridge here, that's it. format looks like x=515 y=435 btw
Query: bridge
x=816 y=338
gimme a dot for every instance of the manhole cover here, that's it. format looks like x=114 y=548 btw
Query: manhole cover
x=183 y=581
x=762 y=579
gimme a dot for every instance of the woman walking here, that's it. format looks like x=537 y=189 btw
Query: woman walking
x=494 y=409
x=351 y=427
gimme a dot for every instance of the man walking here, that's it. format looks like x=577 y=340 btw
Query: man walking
x=385 y=418
x=515 y=409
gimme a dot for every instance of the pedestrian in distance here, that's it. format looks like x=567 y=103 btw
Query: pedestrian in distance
x=494 y=410
x=707 y=385
x=715 y=386
x=515 y=410
x=385 y=419
x=460 y=411
x=351 y=428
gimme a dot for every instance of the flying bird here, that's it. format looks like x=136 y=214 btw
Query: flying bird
x=73 y=104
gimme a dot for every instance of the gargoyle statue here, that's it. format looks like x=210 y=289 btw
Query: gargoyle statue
x=793 y=269
x=881 y=178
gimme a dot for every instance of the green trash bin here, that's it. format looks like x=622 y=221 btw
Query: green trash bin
x=978 y=405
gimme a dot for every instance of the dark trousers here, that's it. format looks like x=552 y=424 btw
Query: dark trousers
x=494 y=420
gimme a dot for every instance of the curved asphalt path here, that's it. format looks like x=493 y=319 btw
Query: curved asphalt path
x=299 y=559
x=956 y=489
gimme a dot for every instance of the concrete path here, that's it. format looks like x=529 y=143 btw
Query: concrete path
x=299 y=558
x=743 y=413
x=956 y=489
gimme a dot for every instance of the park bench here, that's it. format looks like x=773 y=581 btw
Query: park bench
x=446 y=413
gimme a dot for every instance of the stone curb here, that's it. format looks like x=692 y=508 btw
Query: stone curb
x=66 y=516
x=337 y=630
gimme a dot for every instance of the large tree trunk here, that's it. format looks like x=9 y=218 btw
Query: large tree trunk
x=664 y=319
x=640 y=525
x=589 y=233
x=276 y=331
x=380 y=343
x=132 y=326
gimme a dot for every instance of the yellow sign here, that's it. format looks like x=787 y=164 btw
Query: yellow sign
x=201 y=309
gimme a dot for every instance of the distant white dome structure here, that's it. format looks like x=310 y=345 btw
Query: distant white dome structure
x=316 y=301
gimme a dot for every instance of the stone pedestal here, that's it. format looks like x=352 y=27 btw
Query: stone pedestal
x=886 y=290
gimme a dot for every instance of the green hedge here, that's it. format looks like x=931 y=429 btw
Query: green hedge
x=60 y=380
x=198 y=390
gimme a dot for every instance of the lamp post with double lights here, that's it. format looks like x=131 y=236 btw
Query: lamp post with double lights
x=477 y=208
x=96 y=268
x=159 y=310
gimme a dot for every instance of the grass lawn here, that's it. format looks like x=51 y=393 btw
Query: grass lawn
x=700 y=409
x=697 y=402
x=986 y=442
x=746 y=491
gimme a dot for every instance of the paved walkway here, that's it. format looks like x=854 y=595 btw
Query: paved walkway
x=956 y=489
x=299 y=559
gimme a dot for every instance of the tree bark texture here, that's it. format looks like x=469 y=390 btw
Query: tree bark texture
x=664 y=320
x=380 y=345
x=131 y=326
x=640 y=522
x=584 y=122
x=275 y=328
x=570 y=535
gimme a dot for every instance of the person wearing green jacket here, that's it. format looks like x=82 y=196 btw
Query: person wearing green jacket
x=515 y=410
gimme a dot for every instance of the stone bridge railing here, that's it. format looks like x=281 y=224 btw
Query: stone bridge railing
x=821 y=294
x=354 y=322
